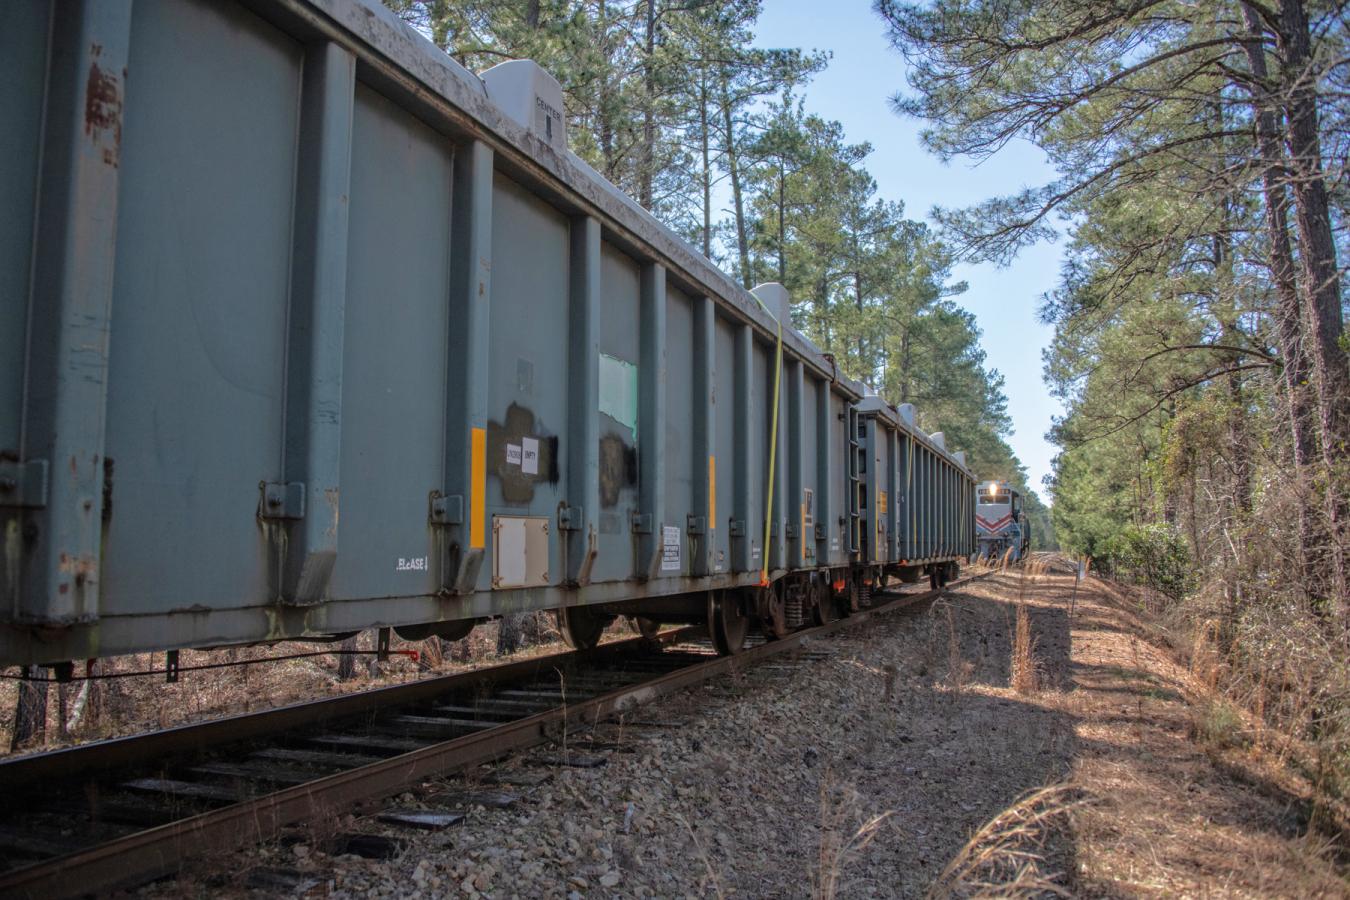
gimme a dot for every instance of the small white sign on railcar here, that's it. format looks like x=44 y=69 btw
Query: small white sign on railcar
x=670 y=550
x=529 y=460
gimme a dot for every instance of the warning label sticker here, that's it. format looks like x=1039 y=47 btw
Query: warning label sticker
x=670 y=550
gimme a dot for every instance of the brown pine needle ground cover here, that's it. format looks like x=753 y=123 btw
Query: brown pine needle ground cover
x=1175 y=818
x=808 y=782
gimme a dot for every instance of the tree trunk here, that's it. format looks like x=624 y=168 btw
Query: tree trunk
x=734 y=170
x=606 y=127
x=858 y=302
x=1288 y=312
x=905 y=365
x=1321 y=280
x=782 y=226
x=62 y=705
x=30 y=713
x=648 y=113
x=703 y=127
x=508 y=633
x=346 y=670
x=823 y=311
x=1226 y=310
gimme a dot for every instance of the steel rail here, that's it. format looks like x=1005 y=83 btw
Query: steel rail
x=19 y=774
x=154 y=853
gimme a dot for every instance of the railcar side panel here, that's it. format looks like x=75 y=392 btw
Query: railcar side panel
x=679 y=434
x=196 y=372
x=619 y=349
x=827 y=457
x=805 y=507
x=869 y=432
x=23 y=59
x=840 y=501
x=761 y=417
x=722 y=466
x=778 y=538
x=903 y=499
x=526 y=453
x=394 y=364
x=885 y=495
x=928 y=510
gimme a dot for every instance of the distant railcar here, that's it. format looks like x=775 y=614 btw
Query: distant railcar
x=271 y=260
x=1001 y=522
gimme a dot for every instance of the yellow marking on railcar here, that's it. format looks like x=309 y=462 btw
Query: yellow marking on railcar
x=478 y=488
x=712 y=492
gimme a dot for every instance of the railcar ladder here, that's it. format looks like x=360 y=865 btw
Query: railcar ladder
x=854 y=484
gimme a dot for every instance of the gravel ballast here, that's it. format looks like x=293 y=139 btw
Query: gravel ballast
x=754 y=787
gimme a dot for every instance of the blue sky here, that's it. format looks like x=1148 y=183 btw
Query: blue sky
x=854 y=90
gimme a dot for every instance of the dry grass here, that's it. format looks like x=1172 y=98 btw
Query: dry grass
x=1026 y=669
x=959 y=670
x=1191 y=804
x=840 y=844
x=713 y=875
x=1000 y=861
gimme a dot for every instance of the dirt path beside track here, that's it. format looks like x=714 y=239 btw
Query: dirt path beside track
x=1171 y=818
x=750 y=787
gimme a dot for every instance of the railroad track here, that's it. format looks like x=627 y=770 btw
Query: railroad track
x=116 y=814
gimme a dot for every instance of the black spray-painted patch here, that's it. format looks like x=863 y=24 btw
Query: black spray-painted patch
x=618 y=468
x=520 y=457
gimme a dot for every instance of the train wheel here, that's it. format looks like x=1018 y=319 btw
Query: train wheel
x=648 y=628
x=935 y=577
x=822 y=607
x=773 y=611
x=846 y=602
x=728 y=624
x=581 y=628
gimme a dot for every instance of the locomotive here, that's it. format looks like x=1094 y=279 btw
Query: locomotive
x=361 y=278
x=1001 y=522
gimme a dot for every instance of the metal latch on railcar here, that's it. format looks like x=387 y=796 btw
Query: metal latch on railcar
x=696 y=524
x=24 y=484
x=283 y=500
x=571 y=518
x=447 y=510
x=642 y=523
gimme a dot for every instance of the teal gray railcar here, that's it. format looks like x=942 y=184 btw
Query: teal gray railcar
x=305 y=329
